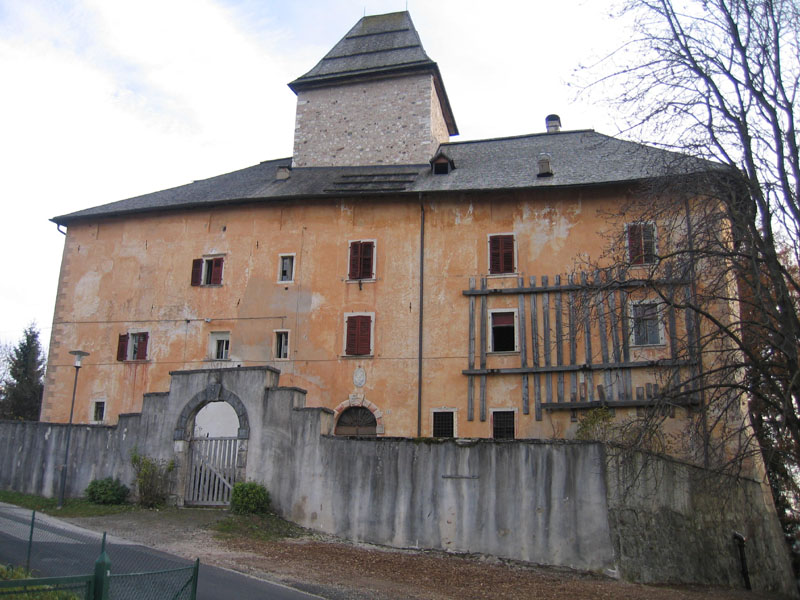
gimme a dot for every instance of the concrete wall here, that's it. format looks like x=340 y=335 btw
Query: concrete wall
x=571 y=504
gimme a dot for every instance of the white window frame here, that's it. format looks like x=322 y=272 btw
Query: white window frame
x=516 y=330
x=372 y=277
x=632 y=324
x=92 y=406
x=500 y=409
x=445 y=409
x=655 y=243
x=291 y=255
x=371 y=333
x=275 y=348
x=213 y=338
x=489 y=273
x=207 y=259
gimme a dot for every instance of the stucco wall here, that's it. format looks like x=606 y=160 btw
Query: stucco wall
x=560 y=503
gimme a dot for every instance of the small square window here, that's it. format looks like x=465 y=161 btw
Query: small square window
x=503 y=424
x=646 y=324
x=286 y=268
x=99 y=411
x=641 y=243
x=207 y=271
x=503 y=334
x=281 y=345
x=132 y=346
x=443 y=424
x=219 y=345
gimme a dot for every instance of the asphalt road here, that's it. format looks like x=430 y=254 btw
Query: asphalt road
x=61 y=549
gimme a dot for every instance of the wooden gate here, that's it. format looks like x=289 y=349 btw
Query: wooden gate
x=212 y=471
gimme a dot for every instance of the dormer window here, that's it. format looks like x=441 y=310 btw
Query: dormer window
x=441 y=164
x=545 y=168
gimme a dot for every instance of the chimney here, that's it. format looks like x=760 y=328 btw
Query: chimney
x=553 y=123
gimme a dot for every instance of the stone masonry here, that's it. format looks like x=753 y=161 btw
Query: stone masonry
x=376 y=122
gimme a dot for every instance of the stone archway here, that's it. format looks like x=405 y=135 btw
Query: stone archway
x=356 y=401
x=211 y=465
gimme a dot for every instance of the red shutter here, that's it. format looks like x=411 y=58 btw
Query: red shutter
x=635 y=249
x=364 y=335
x=197 y=271
x=141 y=347
x=507 y=251
x=367 y=252
x=216 y=271
x=355 y=260
x=358 y=336
x=502 y=319
x=648 y=243
x=351 y=344
x=122 y=347
x=495 y=261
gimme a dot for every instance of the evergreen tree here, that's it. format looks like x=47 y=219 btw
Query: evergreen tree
x=23 y=386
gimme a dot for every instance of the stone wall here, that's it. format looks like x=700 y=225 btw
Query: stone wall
x=570 y=504
x=385 y=121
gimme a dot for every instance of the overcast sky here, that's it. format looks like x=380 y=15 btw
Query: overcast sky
x=107 y=99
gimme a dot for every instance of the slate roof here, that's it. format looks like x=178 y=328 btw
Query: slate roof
x=577 y=158
x=377 y=46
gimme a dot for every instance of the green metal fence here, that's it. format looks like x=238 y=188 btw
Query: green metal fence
x=36 y=543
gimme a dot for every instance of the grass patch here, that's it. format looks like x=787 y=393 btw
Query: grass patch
x=73 y=507
x=267 y=527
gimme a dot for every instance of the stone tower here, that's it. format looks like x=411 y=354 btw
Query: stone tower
x=375 y=98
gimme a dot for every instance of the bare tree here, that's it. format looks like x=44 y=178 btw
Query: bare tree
x=718 y=80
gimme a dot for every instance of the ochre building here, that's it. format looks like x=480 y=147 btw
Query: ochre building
x=413 y=285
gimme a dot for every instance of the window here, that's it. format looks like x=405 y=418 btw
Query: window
x=219 y=345
x=641 y=243
x=362 y=260
x=443 y=423
x=132 y=346
x=358 y=335
x=646 y=324
x=98 y=411
x=503 y=424
x=501 y=254
x=356 y=420
x=503 y=331
x=285 y=268
x=281 y=344
x=207 y=271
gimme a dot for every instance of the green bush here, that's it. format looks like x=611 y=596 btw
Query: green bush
x=107 y=491
x=152 y=479
x=249 y=498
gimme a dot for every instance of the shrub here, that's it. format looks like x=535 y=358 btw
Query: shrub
x=107 y=491
x=152 y=479
x=249 y=498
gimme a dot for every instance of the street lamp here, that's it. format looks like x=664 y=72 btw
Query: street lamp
x=78 y=354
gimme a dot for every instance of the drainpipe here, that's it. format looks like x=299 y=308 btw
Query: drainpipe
x=740 y=542
x=421 y=295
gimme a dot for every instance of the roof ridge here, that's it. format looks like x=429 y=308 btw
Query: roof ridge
x=524 y=135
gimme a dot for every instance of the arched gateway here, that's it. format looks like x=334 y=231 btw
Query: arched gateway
x=217 y=459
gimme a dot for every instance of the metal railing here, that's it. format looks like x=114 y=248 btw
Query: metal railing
x=69 y=558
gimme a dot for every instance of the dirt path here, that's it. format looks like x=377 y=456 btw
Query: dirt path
x=344 y=571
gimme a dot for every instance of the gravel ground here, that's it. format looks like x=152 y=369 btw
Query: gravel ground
x=341 y=570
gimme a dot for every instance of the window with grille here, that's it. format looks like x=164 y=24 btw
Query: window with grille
x=641 y=243
x=443 y=424
x=207 y=271
x=358 y=335
x=501 y=254
x=356 y=420
x=646 y=324
x=132 y=346
x=99 y=411
x=362 y=260
x=503 y=424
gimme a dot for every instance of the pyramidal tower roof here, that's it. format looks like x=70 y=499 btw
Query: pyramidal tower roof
x=378 y=46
